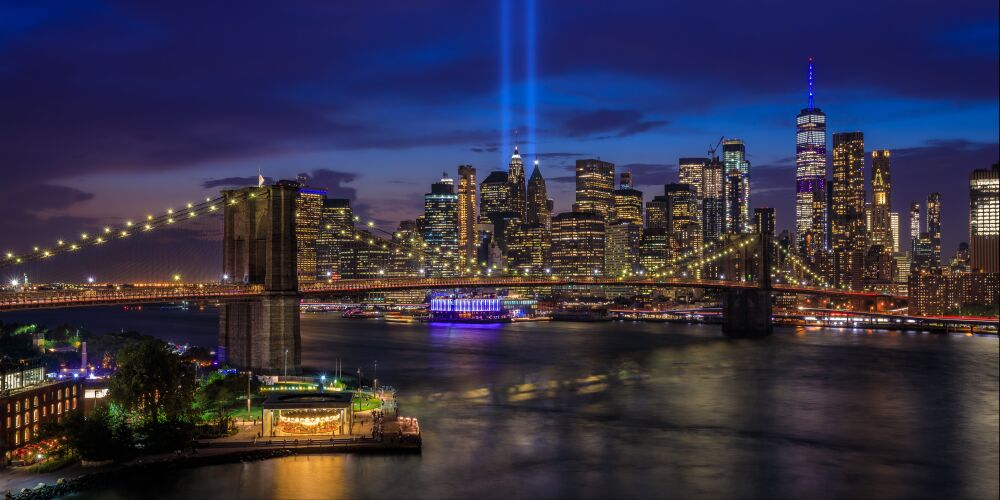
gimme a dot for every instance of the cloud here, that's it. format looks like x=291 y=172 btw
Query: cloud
x=651 y=174
x=333 y=181
x=608 y=123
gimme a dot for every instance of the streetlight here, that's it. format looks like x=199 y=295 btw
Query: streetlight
x=286 y=362
x=90 y=280
x=249 y=376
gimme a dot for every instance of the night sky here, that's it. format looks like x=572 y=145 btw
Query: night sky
x=111 y=110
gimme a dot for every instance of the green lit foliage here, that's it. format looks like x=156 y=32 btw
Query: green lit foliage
x=216 y=394
x=102 y=435
x=152 y=384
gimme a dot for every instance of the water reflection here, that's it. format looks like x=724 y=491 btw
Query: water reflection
x=647 y=409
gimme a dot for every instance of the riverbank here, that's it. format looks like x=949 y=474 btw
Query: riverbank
x=76 y=478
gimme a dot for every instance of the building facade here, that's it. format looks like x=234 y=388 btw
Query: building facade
x=336 y=229
x=308 y=212
x=810 y=177
x=595 y=182
x=441 y=228
x=880 y=230
x=734 y=157
x=529 y=250
x=467 y=214
x=627 y=202
x=713 y=202
x=984 y=220
x=494 y=195
x=517 y=180
x=537 y=209
x=934 y=226
x=578 y=244
x=621 y=249
x=28 y=401
x=848 y=210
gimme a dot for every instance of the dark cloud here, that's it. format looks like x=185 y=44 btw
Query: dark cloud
x=334 y=182
x=608 y=123
x=651 y=174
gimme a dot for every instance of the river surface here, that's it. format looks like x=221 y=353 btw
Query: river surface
x=641 y=410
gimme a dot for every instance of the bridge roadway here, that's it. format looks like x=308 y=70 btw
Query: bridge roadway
x=127 y=294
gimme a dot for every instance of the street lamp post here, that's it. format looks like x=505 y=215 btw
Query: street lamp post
x=249 y=376
x=286 y=362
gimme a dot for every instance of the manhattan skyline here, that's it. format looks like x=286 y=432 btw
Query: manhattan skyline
x=170 y=108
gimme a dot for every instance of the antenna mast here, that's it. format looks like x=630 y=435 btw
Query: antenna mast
x=810 y=84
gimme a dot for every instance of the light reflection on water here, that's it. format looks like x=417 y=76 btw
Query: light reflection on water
x=597 y=410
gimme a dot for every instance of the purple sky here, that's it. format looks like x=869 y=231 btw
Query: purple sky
x=111 y=110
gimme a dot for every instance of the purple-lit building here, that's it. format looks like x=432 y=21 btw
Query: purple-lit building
x=810 y=177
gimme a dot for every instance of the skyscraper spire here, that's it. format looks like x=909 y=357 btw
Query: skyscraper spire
x=810 y=84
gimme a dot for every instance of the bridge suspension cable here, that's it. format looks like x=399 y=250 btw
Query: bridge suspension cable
x=111 y=233
x=794 y=259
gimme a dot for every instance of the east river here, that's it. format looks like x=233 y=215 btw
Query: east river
x=608 y=410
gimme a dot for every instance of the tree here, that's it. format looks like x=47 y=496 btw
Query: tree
x=152 y=384
x=215 y=395
x=102 y=435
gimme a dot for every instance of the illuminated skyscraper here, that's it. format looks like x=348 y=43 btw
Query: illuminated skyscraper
x=308 y=207
x=621 y=249
x=810 y=177
x=407 y=253
x=495 y=195
x=735 y=216
x=934 y=226
x=914 y=224
x=656 y=212
x=691 y=171
x=984 y=220
x=734 y=156
x=683 y=224
x=441 y=228
x=848 y=215
x=578 y=244
x=654 y=250
x=896 y=235
x=627 y=202
x=365 y=257
x=595 y=181
x=336 y=228
x=537 y=204
x=515 y=175
x=763 y=220
x=713 y=204
x=880 y=230
x=467 y=216
x=528 y=252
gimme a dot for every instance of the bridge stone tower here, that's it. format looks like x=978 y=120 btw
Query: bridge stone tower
x=261 y=334
x=746 y=313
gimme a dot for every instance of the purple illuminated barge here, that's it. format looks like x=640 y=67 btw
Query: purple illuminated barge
x=480 y=310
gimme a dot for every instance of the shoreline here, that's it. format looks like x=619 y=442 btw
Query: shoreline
x=217 y=456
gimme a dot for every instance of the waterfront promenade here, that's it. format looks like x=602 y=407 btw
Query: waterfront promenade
x=241 y=446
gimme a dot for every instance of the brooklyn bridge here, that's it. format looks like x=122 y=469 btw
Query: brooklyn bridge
x=260 y=295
